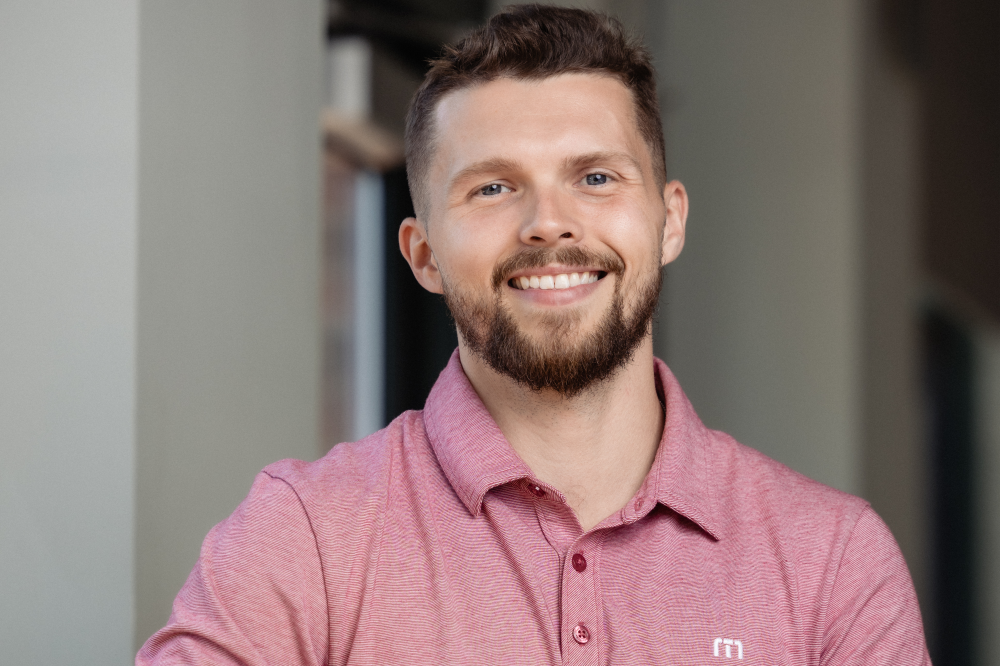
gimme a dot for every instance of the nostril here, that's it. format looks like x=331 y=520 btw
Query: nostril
x=566 y=235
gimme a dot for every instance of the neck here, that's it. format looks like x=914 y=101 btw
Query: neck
x=596 y=448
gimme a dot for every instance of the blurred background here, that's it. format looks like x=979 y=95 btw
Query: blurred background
x=199 y=274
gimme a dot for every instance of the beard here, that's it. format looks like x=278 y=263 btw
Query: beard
x=559 y=362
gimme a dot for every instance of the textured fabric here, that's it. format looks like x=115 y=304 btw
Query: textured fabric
x=429 y=542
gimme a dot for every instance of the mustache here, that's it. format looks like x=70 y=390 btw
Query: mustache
x=538 y=257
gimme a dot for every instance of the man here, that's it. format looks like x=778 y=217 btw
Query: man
x=557 y=500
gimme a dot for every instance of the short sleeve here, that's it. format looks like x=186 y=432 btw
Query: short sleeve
x=256 y=595
x=873 y=617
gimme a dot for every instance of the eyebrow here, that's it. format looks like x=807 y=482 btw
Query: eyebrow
x=588 y=159
x=492 y=165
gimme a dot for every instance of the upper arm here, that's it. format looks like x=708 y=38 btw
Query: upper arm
x=873 y=616
x=257 y=593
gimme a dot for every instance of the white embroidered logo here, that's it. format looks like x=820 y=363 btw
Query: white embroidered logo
x=728 y=643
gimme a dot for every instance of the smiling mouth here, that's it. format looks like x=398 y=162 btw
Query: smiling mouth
x=561 y=281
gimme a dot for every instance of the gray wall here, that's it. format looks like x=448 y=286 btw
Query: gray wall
x=762 y=309
x=228 y=323
x=67 y=330
x=159 y=277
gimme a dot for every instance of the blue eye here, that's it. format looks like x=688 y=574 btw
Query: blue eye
x=493 y=189
x=596 y=179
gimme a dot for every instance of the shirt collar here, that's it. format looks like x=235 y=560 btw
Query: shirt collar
x=469 y=446
x=476 y=457
x=683 y=476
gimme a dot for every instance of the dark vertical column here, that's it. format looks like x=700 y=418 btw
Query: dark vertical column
x=419 y=333
x=949 y=383
x=957 y=47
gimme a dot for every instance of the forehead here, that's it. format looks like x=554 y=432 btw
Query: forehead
x=537 y=121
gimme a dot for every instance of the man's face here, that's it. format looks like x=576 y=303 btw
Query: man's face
x=547 y=227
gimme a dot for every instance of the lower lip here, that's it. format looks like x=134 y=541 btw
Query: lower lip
x=557 y=297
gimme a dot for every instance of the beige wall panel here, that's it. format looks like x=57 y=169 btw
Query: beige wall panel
x=761 y=316
x=67 y=330
x=229 y=248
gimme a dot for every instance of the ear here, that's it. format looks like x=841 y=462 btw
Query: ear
x=417 y=251
x=676 y=202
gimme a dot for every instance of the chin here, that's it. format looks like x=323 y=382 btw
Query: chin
x=567 y=358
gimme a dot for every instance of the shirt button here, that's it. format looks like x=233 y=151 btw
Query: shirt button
x=580 y=634
x=579 y=562
x=638 y=504
x=536 y=490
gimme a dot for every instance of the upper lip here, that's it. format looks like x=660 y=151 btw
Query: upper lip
x=554 y=270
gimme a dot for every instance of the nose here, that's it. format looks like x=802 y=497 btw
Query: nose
x=550 y=220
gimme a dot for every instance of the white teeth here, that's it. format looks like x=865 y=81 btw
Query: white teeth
x=561 y=281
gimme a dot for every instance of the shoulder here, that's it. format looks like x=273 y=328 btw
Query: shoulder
x=739 y=494
x=754 y=488
x=839 y=561
x=767 y=510
x=353 y=473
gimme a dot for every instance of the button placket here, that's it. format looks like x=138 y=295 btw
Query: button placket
x=581 y=605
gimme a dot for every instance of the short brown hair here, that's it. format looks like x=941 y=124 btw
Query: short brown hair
x=533 y=42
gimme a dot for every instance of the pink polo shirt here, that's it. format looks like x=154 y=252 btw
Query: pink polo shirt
x=430 y=542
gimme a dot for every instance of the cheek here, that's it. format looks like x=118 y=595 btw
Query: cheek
x=632 y=233
x=467 y=258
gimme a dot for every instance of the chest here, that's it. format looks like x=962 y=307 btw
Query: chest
x=516 y=586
